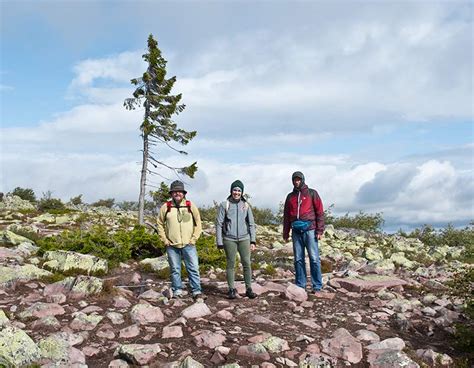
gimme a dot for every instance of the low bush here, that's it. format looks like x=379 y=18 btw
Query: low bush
x=115 y=247
x=26 y=194
x=109 y=203
x=360 y=221
x=76 y=200
x=52 y=205
x=209 y=254
x=449 y=236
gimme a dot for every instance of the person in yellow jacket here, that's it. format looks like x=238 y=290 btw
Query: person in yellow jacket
x=179 y=227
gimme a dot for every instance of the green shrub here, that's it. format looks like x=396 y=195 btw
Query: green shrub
x=209 y=213
x=209 y=254
x=26 y=194
x=109 y=203
x=360 y=221
x=264 y=216
x=47 y=203
x=76 y=200
x=449 y=236
x=115 y=247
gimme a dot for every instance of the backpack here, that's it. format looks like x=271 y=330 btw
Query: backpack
x=169 y=205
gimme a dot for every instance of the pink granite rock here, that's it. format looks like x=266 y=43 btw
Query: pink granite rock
x=209 y=339
x=144 y=314
x=293 y=292
x=370 y=283
x=172 y=332
x=197 y=310
x=343 y=345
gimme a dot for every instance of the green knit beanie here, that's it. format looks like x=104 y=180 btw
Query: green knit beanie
x=237 y=184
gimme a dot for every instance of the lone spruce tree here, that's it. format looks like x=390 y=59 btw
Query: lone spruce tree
x=153 y=93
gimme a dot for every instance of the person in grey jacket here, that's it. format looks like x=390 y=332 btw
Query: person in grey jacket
x=235 y=232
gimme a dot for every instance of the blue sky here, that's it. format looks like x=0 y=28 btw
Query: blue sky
x=372 y=101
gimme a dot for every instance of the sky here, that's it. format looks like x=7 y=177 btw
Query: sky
x=372 y=101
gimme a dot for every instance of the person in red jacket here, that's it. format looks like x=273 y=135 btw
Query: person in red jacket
x=304 y=215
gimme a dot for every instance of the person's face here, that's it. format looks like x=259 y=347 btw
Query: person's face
x=177 y=196
x=236 y=193
x=297 y=182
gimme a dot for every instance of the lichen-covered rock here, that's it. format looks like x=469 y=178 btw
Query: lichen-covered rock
x=40 y=310
x=9 y=238
x=400 y=260
x=75 y=286
x=60 y=351
x=15 y=203
x=254 y=351
x=373 y=254
x=140 y=354
x=3 y=318
x=189 y=362
x=158 y=264
x=17 y=348
x=275 y=344
x=85 y=322
x=66 y=261
x=24 y=273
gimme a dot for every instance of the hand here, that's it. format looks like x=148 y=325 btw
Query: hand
x=319 y=236
x=252 y=247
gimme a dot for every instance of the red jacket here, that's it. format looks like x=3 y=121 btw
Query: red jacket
x=310 y=208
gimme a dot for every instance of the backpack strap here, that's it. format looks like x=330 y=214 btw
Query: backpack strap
x=169 y=204
x=188 y=205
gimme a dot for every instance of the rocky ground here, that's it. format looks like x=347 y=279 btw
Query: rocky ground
x=385 y=304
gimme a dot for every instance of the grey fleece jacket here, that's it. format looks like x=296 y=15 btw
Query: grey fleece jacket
x=237 y=225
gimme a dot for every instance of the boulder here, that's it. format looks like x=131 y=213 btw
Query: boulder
x=197 y=310
x=253 y=351
x=9 y=238
x=17 y=348
x=140 y=354
x=343 y=345
x=158 y=264
x=144 y=314
x=26 y=272
x=293 y=292
x=66 y=261
x=369 y=283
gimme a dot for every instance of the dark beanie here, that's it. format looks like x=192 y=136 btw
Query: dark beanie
x=177 y=186
x=237 y=184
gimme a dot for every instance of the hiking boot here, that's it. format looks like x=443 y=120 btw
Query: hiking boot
x=197 y=296
x=232 y=294
x=249 y=293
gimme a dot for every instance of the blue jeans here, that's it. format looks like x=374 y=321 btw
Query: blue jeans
x=301 y=241
x=190 y=257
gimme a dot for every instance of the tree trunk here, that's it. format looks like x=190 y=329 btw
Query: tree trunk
x=141 y=198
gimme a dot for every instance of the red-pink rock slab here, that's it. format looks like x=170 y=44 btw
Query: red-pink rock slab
x=343 y=345
x=253 y=351
x=144 y=314
x=172 y=332
x=370 y=283
x=209 y=339
x=197 y=310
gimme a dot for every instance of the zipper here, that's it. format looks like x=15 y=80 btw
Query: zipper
x=298 y=206
x=237 y=222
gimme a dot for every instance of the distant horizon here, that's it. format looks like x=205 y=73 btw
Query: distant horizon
x=373 y=102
